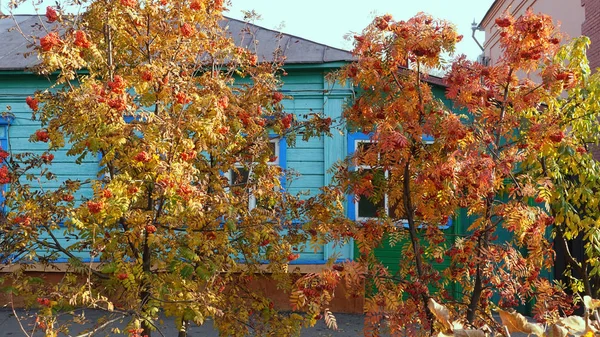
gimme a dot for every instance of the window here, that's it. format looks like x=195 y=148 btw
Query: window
x=4 y=123
x=239 y=177
x=363 y=208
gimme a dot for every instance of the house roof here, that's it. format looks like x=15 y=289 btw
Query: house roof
x=296 y=50
x=489 y=11
x=13 y=46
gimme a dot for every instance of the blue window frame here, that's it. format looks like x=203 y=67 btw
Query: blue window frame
x=4 y=124
x=362 y=210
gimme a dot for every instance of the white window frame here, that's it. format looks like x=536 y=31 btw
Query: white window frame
x=357 y=198
x=251 y=197
x=401 y=222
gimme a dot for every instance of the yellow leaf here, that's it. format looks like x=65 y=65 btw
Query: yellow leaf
x=574 y=324
x=475 y=225
x=590 y=303
x=441 y=313
x=516 y=322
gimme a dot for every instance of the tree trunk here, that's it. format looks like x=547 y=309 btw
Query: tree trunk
x=482 y=242
x=475 y=297
x=184 y=328
x=145 y=294
x=415 y=240
x=146 y=331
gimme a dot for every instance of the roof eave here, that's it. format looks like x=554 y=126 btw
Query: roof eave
x=489 y=11
x=436 y=80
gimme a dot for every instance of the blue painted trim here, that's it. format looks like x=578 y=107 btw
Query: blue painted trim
x=282 y=153
x=6 y=120
x=4 y=124
x=307 y=262
x=83 y=260
x=352 y=138
x=282 y=159
x=448 y=225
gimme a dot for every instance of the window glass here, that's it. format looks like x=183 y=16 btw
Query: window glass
x=365 y=206
x=369 y=209
x=239 y=177
x=273 y=148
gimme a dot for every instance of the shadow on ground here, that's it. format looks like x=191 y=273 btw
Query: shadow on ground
x=349 y=325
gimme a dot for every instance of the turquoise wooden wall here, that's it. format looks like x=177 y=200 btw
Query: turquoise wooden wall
x=312 y=159
x=306 y=85
x=14 y=88
x=13 y=91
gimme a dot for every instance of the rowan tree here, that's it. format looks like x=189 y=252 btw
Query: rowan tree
x=404 y=170
x=535 y=111
x=513 y=158
x=187 y=207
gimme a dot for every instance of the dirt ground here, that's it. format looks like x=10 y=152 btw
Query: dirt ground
x=349 y=325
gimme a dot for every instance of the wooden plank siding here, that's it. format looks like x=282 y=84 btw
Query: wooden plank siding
x=14 y=88
x=311 y=159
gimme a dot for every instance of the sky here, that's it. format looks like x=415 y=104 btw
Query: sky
x=328 y=21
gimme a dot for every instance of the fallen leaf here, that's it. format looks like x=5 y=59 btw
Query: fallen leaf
x=516 y=322
x=590 y=303
x=441 y=313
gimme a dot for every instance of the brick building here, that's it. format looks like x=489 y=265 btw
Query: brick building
x=591 y=28
x=575 y=18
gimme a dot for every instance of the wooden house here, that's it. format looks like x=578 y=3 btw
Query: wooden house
x=307 y=64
